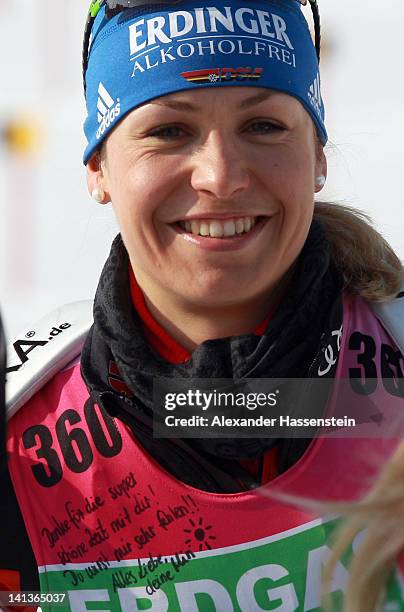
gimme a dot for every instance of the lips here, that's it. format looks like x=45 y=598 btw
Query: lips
x=219 y=234
x=219 y=228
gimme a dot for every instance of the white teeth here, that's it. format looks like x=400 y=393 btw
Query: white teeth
x=195 y=225
x=229 y=228
x=216 y=228
x=239 y=226
x=204 y=229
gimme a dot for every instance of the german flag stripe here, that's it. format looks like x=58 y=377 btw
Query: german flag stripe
x=199 y=80
x=199 y=73
x=205 y=76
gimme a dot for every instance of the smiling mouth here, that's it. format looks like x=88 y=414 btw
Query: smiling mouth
x=217 y=228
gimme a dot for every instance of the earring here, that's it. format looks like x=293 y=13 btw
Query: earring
x=98 y=194
x=320 y=181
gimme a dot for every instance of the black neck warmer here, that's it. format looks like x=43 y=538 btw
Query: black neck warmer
x=310 y=310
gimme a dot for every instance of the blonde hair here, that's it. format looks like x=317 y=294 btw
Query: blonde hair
x=381 y=513
x=372 y=270
x=369 y=265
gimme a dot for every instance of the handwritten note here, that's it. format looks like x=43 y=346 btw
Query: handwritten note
x=127 y=518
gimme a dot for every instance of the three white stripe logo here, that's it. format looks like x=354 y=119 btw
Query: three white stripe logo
x=105 y=102
x=108 y=110
x=315 y=94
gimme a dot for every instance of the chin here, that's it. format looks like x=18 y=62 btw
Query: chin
x=221 y=294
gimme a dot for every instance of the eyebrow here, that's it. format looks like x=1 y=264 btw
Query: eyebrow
x=257 y=99
x=187 y=106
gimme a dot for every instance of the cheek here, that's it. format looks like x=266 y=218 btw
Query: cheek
x=292 y=184
x=288 y=171
x=149 y=184
x=133 y=196
x=300 y=183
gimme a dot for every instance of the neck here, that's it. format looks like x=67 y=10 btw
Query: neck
x=191 y=324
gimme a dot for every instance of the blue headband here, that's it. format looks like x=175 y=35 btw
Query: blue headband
x=142 y=54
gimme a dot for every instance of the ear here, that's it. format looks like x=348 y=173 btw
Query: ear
x=321 y=169
x=96 y=177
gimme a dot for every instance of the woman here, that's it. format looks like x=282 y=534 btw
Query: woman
x=220 y=272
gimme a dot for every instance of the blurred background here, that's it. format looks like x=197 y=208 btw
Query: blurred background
x=54 y=239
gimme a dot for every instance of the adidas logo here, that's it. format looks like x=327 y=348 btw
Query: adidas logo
x=315 y=94
x=108 y=110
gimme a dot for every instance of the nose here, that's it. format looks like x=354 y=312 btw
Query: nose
x=219 y=168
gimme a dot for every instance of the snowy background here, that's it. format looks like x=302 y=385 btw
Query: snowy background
x=54 y=239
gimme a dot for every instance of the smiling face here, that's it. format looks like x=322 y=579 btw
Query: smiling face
x=213 y=192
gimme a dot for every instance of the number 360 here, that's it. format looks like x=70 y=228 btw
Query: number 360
x=73 y=442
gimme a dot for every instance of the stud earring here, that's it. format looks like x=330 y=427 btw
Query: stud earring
x=98 y=194
x=320 y=181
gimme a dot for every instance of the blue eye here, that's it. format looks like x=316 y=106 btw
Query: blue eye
x=170 y=132
x=265 y=127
